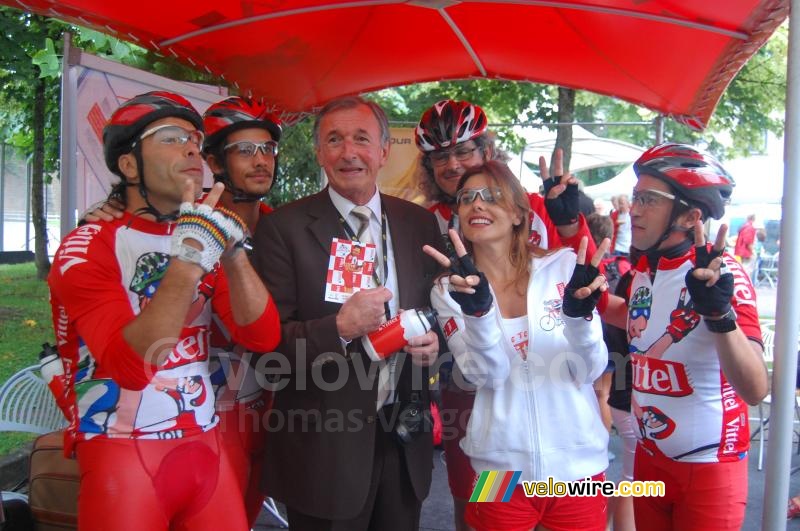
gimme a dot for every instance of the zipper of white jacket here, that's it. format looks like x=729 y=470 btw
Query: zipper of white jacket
x=534 y=442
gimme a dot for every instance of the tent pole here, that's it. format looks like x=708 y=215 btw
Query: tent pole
x=659 y=123
x=69 y=142
x=784 y=371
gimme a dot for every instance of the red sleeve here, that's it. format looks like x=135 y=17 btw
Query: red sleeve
x=262 y=335
x=744 y=300
x=556 y=240
x=602 y=304
x=86 y=279
x=537 y=207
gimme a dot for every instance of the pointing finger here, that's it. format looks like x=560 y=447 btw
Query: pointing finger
x=582 y=251
x=558 y=162
x=214 y=194
x=457 y=243
x=699 y=235
x=436 y=255
x=188 y=192
x=719 y=244
x=605 y=245
x=544 y=173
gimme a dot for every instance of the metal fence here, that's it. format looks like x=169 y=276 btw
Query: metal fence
x=16 y=229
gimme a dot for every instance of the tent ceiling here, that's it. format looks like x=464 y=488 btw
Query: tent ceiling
x=673 y=57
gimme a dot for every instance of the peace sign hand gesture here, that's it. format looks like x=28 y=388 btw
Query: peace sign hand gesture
x=587 y=284
x=560 y=191
x=468 y=286
x=710 y=284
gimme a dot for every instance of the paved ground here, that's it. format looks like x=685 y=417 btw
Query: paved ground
x=437 y=511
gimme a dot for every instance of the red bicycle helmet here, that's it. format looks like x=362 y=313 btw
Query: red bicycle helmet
x=235 y=113
x=448 y=123
x=697 y=177
x=131 y=118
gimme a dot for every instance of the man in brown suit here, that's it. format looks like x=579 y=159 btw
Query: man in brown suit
x=333 y=456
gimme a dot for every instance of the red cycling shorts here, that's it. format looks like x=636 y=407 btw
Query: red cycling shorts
x=698 y=496
x=177 y=484
x=521 y=513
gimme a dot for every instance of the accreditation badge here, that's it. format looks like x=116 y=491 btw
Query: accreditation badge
x=351 y=266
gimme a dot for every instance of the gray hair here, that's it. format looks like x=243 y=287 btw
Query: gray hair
x=351 y=102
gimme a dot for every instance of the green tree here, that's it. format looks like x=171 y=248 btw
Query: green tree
x=30 y=100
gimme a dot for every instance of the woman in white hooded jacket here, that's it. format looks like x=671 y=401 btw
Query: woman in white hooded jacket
x=522 y=326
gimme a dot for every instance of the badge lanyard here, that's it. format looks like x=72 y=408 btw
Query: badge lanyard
x=352 y=235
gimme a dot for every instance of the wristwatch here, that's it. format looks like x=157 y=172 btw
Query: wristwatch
x=723 y=325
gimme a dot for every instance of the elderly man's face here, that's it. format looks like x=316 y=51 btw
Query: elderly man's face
x=351 y=151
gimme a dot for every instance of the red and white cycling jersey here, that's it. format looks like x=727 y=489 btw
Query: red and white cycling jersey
x=686 y=409
x=103 y=276
x=233 y=374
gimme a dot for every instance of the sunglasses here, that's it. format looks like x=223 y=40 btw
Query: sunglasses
x=173 y=135
x=650 y=198
x=440 y=158
x=487 y=195
x=246 y=148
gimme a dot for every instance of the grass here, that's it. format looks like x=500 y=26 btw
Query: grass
x=25 y=324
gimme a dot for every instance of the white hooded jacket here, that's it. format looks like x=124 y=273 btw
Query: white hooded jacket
x=538 y=415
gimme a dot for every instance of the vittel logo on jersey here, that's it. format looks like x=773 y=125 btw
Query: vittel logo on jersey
x=742 y=288
x=73 y=250
x=660 y=377
x=187 y=351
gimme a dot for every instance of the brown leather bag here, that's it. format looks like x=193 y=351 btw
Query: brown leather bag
x=54 y=482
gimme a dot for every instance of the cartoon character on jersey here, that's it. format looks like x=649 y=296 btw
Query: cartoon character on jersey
x=149 y=270
x=176 y=401
x=639 y=312
x=654 y=424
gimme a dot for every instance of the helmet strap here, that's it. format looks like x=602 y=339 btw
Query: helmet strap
x=240 y=195
x=149 y=209
x=654 y=254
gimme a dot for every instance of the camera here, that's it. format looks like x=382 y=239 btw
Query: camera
x=414 y=418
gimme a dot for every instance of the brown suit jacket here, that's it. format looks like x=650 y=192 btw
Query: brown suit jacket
x=321 y=440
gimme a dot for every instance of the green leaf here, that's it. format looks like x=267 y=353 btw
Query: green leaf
x=47 y=61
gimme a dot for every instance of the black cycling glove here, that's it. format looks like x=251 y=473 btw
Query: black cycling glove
x=564 y=209
x=475 y=304
x=716 y=300
x=582 y=276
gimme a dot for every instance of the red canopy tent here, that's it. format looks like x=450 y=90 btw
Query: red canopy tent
x=673 y=57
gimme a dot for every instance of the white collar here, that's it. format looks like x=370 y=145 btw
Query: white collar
x=345 y=206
